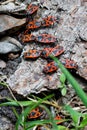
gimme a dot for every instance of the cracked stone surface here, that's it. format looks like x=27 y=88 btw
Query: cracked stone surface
x=32 y=79
x=10 y=24
x=71 y=32
x=5 y=124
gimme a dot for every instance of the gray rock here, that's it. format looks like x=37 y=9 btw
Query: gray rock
x=84 y=2
x=68 y=5
x=10 y=24
x=7 y=47
x=8 y=6
x=12 y=7
x=67 y=31
x=9 y=44
x=80 y=58
x=26 y=1
x=6 y=124
x=13 y=41
x=31 y=78
x=2 y=64
x=83 y=32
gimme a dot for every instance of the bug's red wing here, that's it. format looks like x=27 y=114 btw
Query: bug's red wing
x=48 y=21
x=32 y=54
x=46 y=38
x=58 y=50
x=70 y=64
x=28 y=38
x=46 y=52
x=35 y=113
x=32 y=8
x=33 y=25
x=50 y=67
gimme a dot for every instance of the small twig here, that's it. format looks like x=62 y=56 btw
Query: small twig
x=47 y=102
x=11 y=93
x=6 y=85
x=53 y=104
x=2 y=97
x=3 y=84
x=69 y=125
x=6 y=2
x=31 y=99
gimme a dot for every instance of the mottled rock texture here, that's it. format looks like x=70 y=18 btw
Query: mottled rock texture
x=71 y=32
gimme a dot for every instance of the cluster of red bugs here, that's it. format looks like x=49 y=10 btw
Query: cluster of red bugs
x=34 y=24
x=46 y=22
x=37 y=112
x=46 y=39
x=46 y=52
x=42 y=38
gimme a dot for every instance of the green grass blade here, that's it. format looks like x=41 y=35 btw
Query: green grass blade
x=9 y=104
x=54 y=126
x=74 y=114
x=72 y=81
x=3 y=84
x=31 y=124
x=16 y=103
x=15 y=112
x=83 y=123
x=60 y=127
x=28 y=110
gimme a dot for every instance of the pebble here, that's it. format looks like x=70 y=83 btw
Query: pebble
x=83 y=32
x=2 y=64
x=7 y=47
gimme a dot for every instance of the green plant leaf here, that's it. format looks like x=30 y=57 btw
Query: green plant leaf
x=15 y=112
x=28 y=110
x=63 y=91
x=4 y=84
x=83 y=123
x=31 y=124
x=60 y=127
x=72 y=81
x=74 y=114
x=61 y=86
x=16 y=103
x=62 y=78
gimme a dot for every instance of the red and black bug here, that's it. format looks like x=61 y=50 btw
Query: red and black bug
x=46 y=38
x=32 y=8
x=50 y=67
x=48 y=21
x=28 y=38
x=58 y=118
x=70 y=64
x=35 y=113
x=46 y=52
x=33 y=25
x=32 y=54
x=56 y=51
